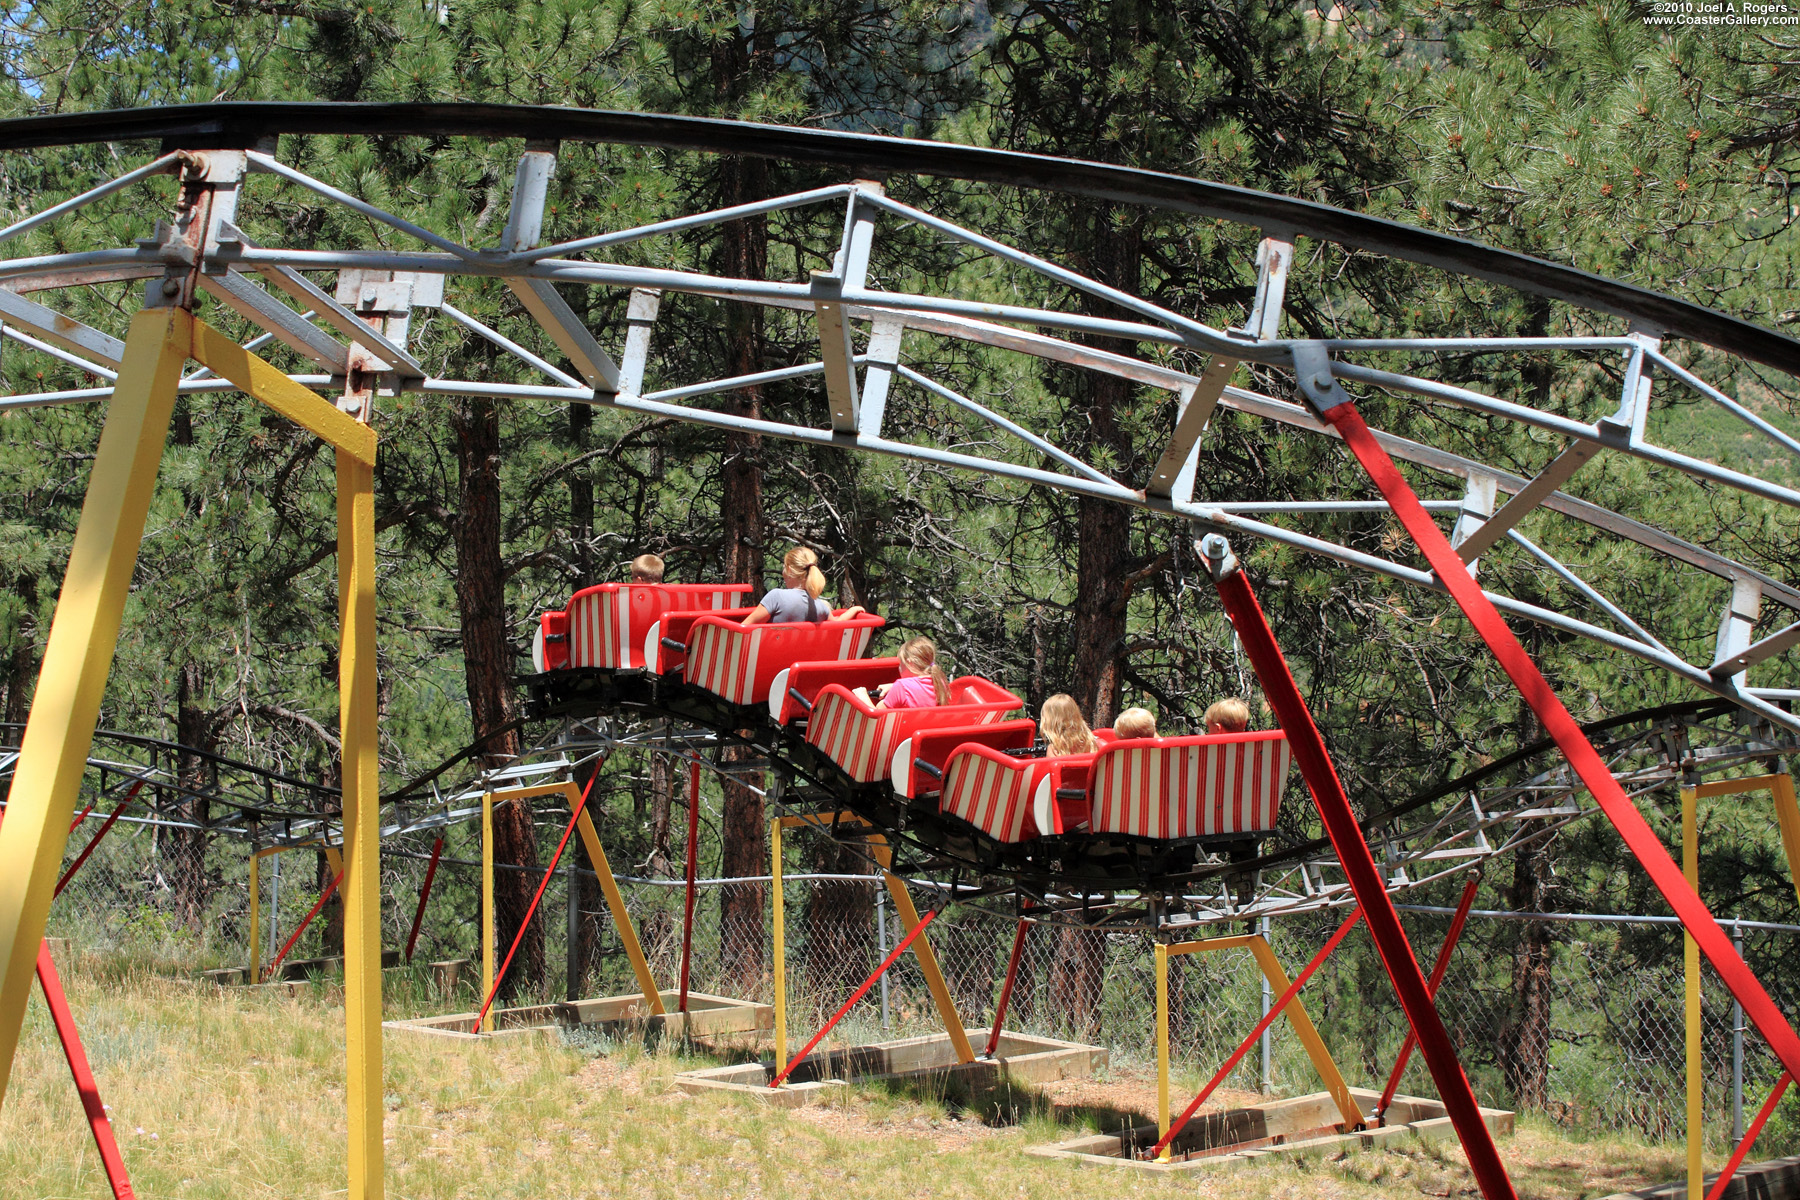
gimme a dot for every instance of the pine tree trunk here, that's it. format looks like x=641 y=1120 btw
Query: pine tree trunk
x=1522 y=1042
x=746 y=253
x=1076 y=977
x=590 y=899
x=1103 y=527
x=20 y=663
x=187 y=848
x=487 y=675
x=1523 y=1039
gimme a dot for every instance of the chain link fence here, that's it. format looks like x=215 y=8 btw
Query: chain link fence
x=1580 y=1022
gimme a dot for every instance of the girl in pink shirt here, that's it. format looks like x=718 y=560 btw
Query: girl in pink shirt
x=922 y=683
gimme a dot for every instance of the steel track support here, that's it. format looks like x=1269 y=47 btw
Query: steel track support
x=780 y=946
x=928 y=963
x=1690 y=998
x=1358 y=863
x=79 y=653
x=1643 y=842
x=357 y=708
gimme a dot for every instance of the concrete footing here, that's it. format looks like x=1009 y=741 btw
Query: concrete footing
x=706 y=1016
x=1240 y=1135
x=1019 y=1058
x=296 y=969
x=1777 y=1179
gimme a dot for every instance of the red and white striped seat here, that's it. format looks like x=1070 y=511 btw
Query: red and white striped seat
x=604 y=626
x=795 y=689
x=862 y=741
x=919 y=761
x=995 y=792
x=1013 y=799
x=740 y=662
x=1168 y=789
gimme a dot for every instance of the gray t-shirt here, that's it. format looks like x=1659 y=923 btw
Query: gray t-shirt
x=793 y=604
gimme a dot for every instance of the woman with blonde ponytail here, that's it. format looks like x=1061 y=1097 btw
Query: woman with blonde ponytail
x=801 y=594
x=922 y=683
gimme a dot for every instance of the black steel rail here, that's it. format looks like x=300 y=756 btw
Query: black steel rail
x=247 y=124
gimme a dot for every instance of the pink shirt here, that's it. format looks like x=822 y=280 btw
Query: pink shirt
x=910 y=691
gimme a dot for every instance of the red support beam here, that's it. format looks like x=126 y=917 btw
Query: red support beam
x=1717 y=1190
x=890 y=960
x=1696 y=918
x=1012 y=972
x=76 y=824
x=299 y=929
x=1366 y=882
x=693 y=870
x=1275 y=1010
x=1437 y=980
x=95 y=840
x=412 y=938
x=98 y=1123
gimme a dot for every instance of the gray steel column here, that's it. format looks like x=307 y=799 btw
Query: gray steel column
x=572 y=952
x=1264 y=930
x=881 y=948
x=1737 y=1049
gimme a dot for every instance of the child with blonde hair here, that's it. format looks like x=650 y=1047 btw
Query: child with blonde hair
x=1230 y=715
x=801 y=594
x=1065 y=731
x=1135 y=723
x=647 y=568
x=922 y=683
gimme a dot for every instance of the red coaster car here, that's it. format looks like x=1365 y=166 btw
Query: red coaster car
x=740 y=662
x=1169 y=789
x=604 y=626
x=862 y=740
x=1160 y=789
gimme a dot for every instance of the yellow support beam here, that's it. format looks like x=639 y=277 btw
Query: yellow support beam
x=928 y=963
x=1162 y=1048
x=265 y=383
x=621 y=918
x=1787 y=815
x=821 y=820
x=1690 y=963
x=487 y=905
x=359 y=739
x=780 y=905
x=1734 y=787
x=78 y=655
x=1309 y=1036
x=1295 y=1012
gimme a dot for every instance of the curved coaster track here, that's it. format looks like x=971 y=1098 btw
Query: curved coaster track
x=589 y=716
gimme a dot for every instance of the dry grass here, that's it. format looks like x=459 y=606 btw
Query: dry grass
x=240 y=1095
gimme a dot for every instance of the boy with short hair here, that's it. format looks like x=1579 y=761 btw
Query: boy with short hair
x=1230 y=715
x=1135 y=723
x=647 y=568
